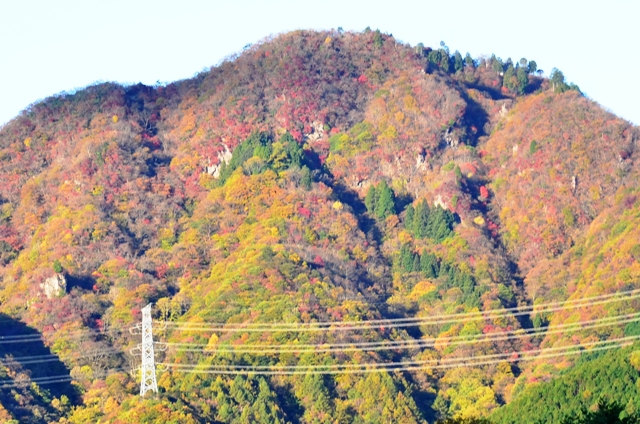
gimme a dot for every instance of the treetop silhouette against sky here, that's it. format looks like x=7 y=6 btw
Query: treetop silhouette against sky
x=46 y=47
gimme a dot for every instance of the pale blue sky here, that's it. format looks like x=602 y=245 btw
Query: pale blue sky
x=50 y=46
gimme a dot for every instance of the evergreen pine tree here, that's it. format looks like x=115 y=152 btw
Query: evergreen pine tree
x=440 y=224
x=406 y=258
x=436 y=265
x=469 y=62
x=305 y=179
x=496 y=64
x=371 y=199
x=421 y=219
x=537 y=321
x=522 y=76
x=294 y=151
x=416 y=263
x=445 y=61
x=452 y=276
x=458 y=62
x=385 y=205
x=458 y=172
x=377 y=39
x=434 y=57
x=224 y=173
x=428 y=265
x=509 y=78
x=408 y=218
x=444 y=270
x=557 y=81
x=57 y=266
x=465 y=282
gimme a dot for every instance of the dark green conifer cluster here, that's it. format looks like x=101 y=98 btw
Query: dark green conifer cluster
x=448 y=275
x=422 y=222
x=380 y=200
x=284 y=154
x=605 y=382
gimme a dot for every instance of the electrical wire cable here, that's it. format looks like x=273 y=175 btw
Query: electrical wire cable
x=407 y=344
x=6 y=384
x=406 y=322
x=407 y=365
x=36 y=381
x=36 y=359
x=587 y=301
x=403 y=363
x=502 y=310
x=26 y=338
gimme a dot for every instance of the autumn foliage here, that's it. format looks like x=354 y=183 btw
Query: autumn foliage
x=316 y=176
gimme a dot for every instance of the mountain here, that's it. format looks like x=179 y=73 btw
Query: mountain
x=318 y=177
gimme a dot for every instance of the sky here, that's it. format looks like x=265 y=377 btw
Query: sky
x=47 y=47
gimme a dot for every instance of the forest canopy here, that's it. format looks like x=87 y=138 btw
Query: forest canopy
x=330 y=226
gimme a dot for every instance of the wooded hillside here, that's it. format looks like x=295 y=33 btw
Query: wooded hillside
x=321 y=177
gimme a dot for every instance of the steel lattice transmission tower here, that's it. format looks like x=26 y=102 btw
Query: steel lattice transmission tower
x=148 y=382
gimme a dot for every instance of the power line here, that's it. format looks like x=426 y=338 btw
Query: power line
x=382 y=321
x=36 y=359
x=37 y=335
x=39 y=383
x=586 y=301
x=400 y=366
x=403 y=363
x=408 y=344
x=27 y=338
x=7 y=384
x=403 y=322
x=385 y=366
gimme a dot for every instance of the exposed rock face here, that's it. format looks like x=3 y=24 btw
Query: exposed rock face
x=222 y=157
x=440 y=202
x=421 y=163
x=451 y=140
x=54 y=286
x=504 y=111
x=317 y=132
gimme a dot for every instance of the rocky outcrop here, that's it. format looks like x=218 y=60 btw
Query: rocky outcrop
x=54 y=286
x=439 y=202
x=317 y=132
x=222 y=157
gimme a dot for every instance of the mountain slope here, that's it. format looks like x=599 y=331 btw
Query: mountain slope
x=316 y=177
